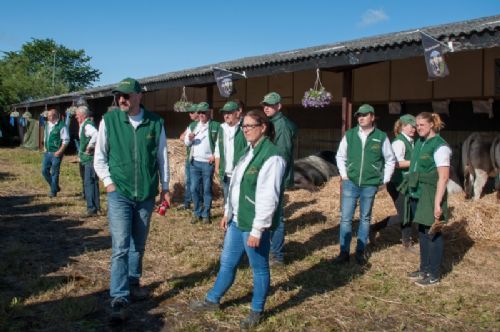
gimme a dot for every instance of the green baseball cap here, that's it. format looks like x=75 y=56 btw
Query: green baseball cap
x=408 y=119
x=127 y=85
x=203 y=107
x=193 y=108
x=230 y=106
x=272 y=98
x=364 y=109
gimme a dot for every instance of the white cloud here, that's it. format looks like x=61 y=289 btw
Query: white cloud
x=373 y=16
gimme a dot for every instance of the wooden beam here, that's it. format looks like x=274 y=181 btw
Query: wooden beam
x=346 y=101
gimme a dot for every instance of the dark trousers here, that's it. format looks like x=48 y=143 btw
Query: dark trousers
x=91 y=188
x=431 y=247
x=399 y=203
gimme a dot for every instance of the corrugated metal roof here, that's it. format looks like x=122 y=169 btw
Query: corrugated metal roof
x=466 y=35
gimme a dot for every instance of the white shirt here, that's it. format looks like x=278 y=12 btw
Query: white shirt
x=102 y=149
x=229 y=133
x=200 y=145
x=399 y=148
x=442 y=156
x=389 y=158
x=64 y=132
x=89 y=131
x=267 y=191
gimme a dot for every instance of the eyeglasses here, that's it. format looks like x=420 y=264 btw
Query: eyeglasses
x=204 y=113
x=250 y=126
x=124 y=95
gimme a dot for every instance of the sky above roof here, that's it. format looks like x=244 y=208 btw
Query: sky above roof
x=151 y=37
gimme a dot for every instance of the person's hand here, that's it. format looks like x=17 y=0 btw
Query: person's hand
x=253 y=242
x=211 y=159
x=191 y=136
x=110 y=188
x=437 y=211
x=89 y=150
x=57 y=154
x=223 y=223
x=436 y=227
x=344 y=178
x=165 y=196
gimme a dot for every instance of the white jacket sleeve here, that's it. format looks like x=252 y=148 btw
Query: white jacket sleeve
x=341 y=158
x=267 y=194
x=390 y=160
x=101 y=166
x=162 y=158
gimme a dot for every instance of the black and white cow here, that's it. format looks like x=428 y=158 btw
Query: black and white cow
x=315 y=170
x=476 y=162
x=495 y=161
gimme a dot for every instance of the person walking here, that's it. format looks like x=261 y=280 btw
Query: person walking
x=249 y=217
x=132 y=161
x=55 y=141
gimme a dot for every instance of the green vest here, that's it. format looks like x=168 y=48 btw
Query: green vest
x=365 y=166
x=132 y=155
x=53 y=141
x=423 y=178
x=397 y=176
x=284 y=138
x=84 y=142
x=246 y=209
x=239 y=145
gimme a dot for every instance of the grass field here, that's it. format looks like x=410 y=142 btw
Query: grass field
x=54 y=267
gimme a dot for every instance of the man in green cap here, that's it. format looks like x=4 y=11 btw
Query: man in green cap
x=131 y=159
x=201 y=141
x=365 y=161
x=193 y=116
x=285 y=133
x=231 y=144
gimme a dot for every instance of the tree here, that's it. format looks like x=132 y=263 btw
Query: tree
x=27 y=74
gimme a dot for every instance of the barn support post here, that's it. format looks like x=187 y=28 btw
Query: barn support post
x=346 y=110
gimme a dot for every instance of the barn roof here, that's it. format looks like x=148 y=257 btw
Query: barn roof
x=465 y=35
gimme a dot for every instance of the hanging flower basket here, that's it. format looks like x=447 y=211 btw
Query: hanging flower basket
x=317 y=97
x=182 y=104
x=14 y=114
x=70 y=111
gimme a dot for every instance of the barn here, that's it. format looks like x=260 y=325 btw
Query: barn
x=387 y=71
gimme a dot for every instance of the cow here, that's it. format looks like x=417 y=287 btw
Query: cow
x=495 y=161
x=315 y=170
x=476 y=163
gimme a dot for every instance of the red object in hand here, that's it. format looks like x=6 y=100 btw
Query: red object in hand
x=162 y=209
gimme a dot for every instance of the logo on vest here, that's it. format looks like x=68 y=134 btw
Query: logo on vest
x=252 y=170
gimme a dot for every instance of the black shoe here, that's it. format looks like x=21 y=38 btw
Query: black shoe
x=52 y=195
x=251 y=321
x=342 y=258
x=206 y=221
x=204 y=305
x=427 y=281
x=119 y=310
x=361 y=257
x=276 y=263
x=90 y=213
x=137 y=293
x=58 y=189
x=417 y=275
x=195 y=220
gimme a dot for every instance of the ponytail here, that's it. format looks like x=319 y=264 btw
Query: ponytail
x=398 y=125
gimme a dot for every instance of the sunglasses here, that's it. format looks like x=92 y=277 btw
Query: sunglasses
x=250 y=126
x=124 y=95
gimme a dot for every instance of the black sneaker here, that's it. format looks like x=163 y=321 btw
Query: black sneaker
x=137 y=293
x=206 y=221
x=251 y=321
x=342 y=258
x=204 y=305
x=195 y=220
x=119 y=310
x=361 y=257
x=427 y=281
x=417 y=275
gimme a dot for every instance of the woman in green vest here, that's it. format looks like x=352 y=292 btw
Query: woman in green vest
x=250 y=218
x=402 y=145
x=427 y=179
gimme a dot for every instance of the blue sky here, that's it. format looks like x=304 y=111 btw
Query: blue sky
x=145 y=38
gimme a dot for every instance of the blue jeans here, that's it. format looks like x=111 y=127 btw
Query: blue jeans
x=278 y=237
x=201 y=187
x=350 y=195
x=235 y=244
x=50 y=171
x=225 y=186
x=91 y=185
x=129 y=226
x=187 y=188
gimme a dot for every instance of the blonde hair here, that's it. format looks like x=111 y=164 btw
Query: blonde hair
x=398 y=125
x=433 y=118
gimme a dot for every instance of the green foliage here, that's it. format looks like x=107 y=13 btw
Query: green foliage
x=27 y=74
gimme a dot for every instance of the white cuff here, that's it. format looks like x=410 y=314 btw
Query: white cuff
x=256 y=233
x=107 y=181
